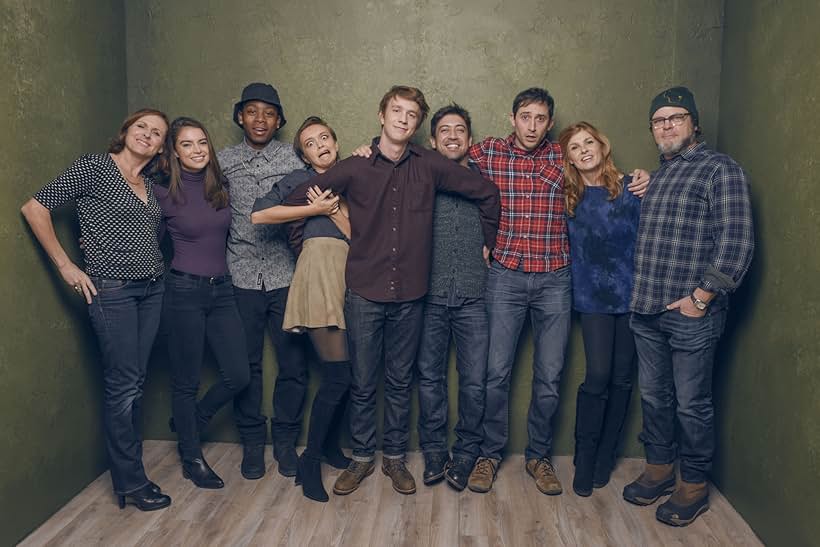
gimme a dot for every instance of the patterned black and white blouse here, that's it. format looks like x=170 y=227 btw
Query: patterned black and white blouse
x=119 y=231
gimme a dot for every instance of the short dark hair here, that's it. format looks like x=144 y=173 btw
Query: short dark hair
x=534 y=95
x=411 y=94
x=297 y=139
x=452 y=108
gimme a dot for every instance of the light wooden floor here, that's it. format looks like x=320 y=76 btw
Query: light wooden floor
x=271 y=511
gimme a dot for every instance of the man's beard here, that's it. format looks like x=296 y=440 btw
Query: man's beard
x=671 y=149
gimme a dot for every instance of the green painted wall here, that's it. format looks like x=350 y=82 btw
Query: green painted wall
x=770 y=419
x=62 y=93
x=603 y=61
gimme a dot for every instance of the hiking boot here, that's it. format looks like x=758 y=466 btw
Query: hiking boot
x=656 y=480
x=253 y=461
x=351 y=477
x=403 y=481
x=434 y=466
x=544 y=474
x=483 y=476
x=458 y=471
x=685 y=504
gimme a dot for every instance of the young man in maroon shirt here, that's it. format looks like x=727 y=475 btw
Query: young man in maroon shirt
x=390 y=196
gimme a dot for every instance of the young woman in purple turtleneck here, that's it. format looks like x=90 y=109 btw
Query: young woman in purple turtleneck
x=199 y=300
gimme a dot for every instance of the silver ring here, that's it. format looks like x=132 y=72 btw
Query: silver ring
x=78 y=289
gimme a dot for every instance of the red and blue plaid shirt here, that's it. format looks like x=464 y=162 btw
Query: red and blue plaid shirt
x=532 y=232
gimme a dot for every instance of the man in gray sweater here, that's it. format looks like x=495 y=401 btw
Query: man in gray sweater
x=454 y=303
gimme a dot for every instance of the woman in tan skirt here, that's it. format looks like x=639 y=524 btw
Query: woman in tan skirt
x=316 y=296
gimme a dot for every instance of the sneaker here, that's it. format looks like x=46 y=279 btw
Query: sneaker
x=403 y=481
x=457 y=472
x=434 y=465
x=285 y=455
x=483 y=475
x=253 y=461
x=351 y=477
x=656 y=480
x=544 y=474
x=688 y=502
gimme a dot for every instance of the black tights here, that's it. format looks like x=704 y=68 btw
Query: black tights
x=330 y=343
x=610 y=352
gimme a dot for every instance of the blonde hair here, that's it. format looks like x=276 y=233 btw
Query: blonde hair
x=573 y=183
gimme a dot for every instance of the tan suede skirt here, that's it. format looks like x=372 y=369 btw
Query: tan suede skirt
x=317 y=292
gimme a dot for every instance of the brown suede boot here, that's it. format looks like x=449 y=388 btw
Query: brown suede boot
x=655 y=481
x=689 y=500
x=351 y=477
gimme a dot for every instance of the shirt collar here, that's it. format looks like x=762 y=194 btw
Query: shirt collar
x=374 y=146
x=540 y=149
x=269 y=152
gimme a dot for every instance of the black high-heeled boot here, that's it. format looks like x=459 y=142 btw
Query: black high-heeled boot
x=616 y=410
x=309 y=475
x=331 y=449
x=589 y=415
x=145 y=499
x=201 y=473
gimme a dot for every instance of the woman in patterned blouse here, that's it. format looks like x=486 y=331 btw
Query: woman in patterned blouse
x=121 y=282
x=603 y=223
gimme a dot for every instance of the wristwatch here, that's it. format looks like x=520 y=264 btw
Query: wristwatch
x=699 y=304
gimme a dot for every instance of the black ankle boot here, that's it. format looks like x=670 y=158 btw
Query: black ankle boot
x=589 y=415
x=145 y=499
x=309 y=475
x=201 y=473
x=616 y=408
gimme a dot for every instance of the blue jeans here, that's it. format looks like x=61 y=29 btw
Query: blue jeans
x=468 y=323
x=381 y=332
x=547 y=298
x=199 y=310
x=125 y=316
x=675 y=359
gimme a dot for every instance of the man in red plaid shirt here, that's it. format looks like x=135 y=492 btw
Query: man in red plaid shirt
x=529 y=273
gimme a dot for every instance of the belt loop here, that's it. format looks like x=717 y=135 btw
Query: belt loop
x=211 y=280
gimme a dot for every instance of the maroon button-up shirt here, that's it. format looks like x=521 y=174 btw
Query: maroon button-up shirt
x=391 y=216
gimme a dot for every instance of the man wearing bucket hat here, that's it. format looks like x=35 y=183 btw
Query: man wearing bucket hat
x=695 y=244
x=261 y=265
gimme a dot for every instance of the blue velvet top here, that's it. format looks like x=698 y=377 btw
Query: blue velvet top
x=602 y=246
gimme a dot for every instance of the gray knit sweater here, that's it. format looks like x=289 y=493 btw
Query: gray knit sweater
x=457 y=245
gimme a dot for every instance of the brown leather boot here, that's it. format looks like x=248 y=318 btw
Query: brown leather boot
x=686 y=503
x=544 y=474
x=403 y=481
x=351 y=477
x=655 y=481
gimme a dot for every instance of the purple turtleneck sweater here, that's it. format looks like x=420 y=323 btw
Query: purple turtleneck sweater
x=199 y=231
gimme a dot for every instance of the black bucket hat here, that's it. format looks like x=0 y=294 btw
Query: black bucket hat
x=260 y=92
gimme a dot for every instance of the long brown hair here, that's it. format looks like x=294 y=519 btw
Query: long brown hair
x=158 y=166
x=573 y=183
x=216 y=185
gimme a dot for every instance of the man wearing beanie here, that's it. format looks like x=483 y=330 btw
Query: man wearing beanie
x=694 y=246
x=261 y=265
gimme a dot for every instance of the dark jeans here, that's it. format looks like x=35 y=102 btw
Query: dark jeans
x=468 y=323
x=201 y=309
x=609 y=347
x=547 y=298
x=381 y=332
x=125 y=315
x=675 y=359
x=259 y=309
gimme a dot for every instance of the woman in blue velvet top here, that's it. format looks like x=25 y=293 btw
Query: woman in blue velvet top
x=603 y=224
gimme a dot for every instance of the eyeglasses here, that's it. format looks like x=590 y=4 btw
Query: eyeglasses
x=675 y=119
